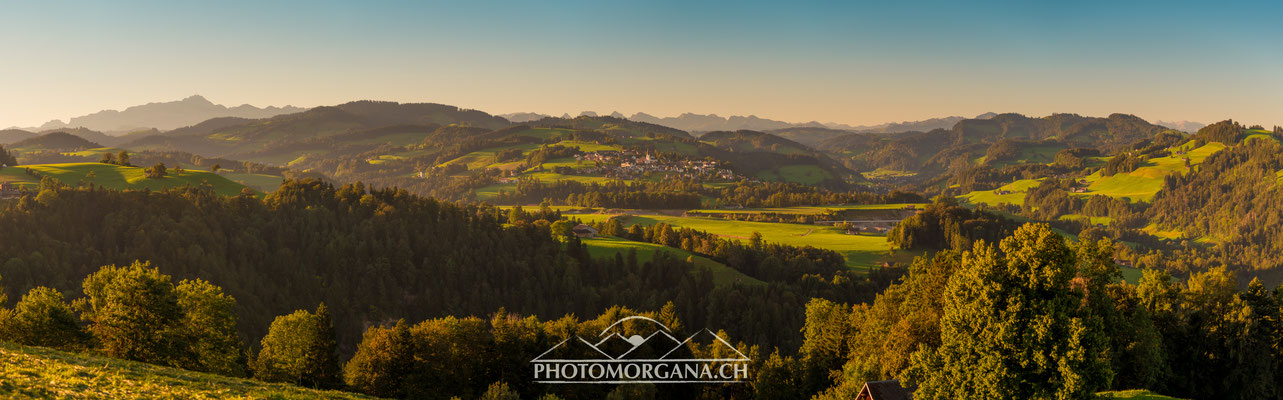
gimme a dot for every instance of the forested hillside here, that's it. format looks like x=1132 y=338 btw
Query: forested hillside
x=378 y=255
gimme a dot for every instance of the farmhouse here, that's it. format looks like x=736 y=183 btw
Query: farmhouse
x=584 y=231
x=884 y=390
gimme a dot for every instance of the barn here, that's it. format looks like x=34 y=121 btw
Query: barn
x=584 y=231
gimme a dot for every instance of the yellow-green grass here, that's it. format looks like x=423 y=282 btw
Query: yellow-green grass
x=1090 y=220
x=117 y=177
x=40 y=373
x=882 y=173
x=603 y=247
x=281 y=158
x=481 y=158
x=1135 y=186
x=261 y=182
x=93 y=152
x=1016 y=193
x=568 y=162
x=809 y=210
x=1139 y=185
x=489 y=192
x=553 y=177
x=1135 y=395
x=589 y=146
x=1153 y=229
x=861 y=251
x=385 y=158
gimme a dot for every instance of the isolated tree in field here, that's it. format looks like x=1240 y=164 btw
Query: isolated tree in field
x=43 y=318
x=299 y=348
x=210 y=329
x=123 y=158
x=216 y=167
x=1014 y=327
x=134 y=313
x=108 y=158
x=157 y=171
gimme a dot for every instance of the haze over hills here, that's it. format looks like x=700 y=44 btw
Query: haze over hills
x=699 y=123
x=165 y=115
x=1184 y=126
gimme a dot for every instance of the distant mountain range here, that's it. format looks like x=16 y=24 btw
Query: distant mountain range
x=1184 y=126
x=697 y=123
x=164 y=116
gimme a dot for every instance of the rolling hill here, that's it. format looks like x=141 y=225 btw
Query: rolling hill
x=115 y=177
x=53 y=141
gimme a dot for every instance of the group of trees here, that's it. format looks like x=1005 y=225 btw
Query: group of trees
x=1122 y=163
x=1037 y=317
x=756 y=258
x=134 y=312
x=1233 y=196
x=6 y=158
x=944 y=224
x=611 y=194
x=375 y=255
x=121 y=158
x=157 y=171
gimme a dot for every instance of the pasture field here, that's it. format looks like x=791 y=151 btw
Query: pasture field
x=1134 y=395
x=1139 y=185
x=862 y=252
x=1016 y=193
x=93 y=153
x=40 y=373
x=603 y=247
x=809 y=210
x=260 y=182
x=117 y=177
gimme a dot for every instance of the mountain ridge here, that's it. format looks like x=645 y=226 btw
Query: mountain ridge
x=164 y=115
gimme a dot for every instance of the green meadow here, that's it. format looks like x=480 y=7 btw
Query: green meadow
x=1134 y=395
x=862 y=252
x=117 y=177
x=603 y=247
x=809 y=210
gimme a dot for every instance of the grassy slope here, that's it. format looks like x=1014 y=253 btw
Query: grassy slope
x=117 y=177
x=35 y=372
x=1135 y=395
x=1016 y=196
x=861 y=251
x=1139 y=185
x=609 y=246
x=810 y=210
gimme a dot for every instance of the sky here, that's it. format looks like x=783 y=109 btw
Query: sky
x=852 y=62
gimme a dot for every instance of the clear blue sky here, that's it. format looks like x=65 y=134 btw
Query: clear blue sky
x=849 y=62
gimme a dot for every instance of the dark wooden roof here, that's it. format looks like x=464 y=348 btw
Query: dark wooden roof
x=885 y=390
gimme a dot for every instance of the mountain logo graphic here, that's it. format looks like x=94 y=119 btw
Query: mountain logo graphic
x=649 y=353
